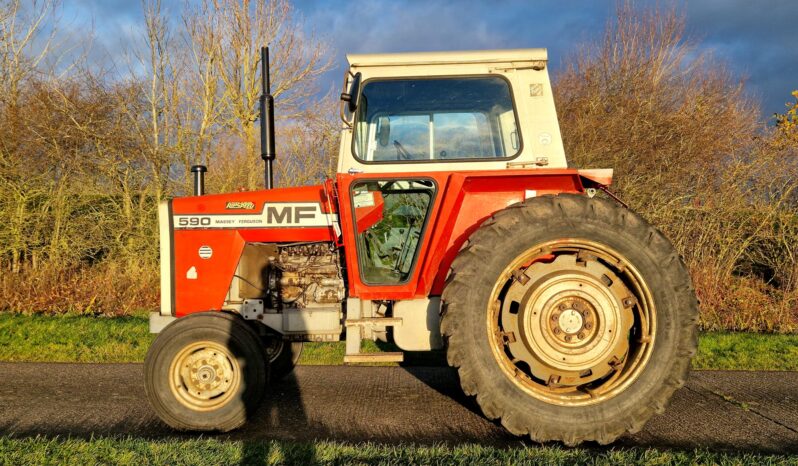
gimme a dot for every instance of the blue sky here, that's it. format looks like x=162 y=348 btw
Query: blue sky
x=758 y=39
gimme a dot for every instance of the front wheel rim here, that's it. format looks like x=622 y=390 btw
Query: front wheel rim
x=204 y=376
x=571 y=322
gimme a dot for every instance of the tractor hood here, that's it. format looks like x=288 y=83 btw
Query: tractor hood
x=202 y=237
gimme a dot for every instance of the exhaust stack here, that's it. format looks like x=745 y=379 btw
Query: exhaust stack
x=199 y=179
x=266 y=118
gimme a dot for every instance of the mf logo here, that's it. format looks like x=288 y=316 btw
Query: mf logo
x=288 y=214
x=273 y=215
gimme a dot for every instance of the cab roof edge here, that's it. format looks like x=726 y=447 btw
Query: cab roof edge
x=441 y=58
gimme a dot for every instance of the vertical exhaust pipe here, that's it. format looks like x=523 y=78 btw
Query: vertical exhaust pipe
x=199 y=179
x=266 y=118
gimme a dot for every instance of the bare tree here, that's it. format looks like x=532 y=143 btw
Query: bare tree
x=202 y=83
x=689 y=152
x=240 y=28
x=23 y=46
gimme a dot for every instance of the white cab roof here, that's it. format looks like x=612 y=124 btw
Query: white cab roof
x=440 y=58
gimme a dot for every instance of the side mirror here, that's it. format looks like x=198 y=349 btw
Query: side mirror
x=383 y=130
x=352 y=96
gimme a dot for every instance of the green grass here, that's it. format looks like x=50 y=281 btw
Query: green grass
x=72 y=338
x=747 y=351
x=132 y=451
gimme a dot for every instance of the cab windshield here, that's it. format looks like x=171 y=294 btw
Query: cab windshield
x=436 y=119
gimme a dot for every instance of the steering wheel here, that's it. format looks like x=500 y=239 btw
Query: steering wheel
x=401 y=151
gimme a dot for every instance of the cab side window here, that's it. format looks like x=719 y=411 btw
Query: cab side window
x=390 y=217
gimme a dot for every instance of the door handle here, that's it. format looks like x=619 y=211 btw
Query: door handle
x=354 y=171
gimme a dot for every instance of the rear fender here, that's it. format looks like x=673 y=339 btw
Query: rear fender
x=596 y=177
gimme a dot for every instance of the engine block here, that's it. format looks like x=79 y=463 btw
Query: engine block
x=309 y=275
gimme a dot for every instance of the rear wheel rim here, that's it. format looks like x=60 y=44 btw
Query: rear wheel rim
x=571 y=322
x=274 y=348
x=204 y=376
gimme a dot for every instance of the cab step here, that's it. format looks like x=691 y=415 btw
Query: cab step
x=373 y=357
x=356 y=325
x=376 y=321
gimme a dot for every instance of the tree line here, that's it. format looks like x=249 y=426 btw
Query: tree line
x=88 y=149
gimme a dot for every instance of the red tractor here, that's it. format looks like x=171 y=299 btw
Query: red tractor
x=453 y=223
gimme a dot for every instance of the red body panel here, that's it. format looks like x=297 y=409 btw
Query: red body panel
x=463 y=200
x=213 y=275
x=366 y=217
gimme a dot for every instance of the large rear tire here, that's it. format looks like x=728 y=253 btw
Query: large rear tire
x=205 y=372
x=569 y=318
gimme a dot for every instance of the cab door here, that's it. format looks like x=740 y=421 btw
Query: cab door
x=386 y=227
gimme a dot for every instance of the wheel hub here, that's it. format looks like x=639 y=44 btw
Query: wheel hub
x=570 y=318
x=570 y=321
x=208 y=373
x=204 y=375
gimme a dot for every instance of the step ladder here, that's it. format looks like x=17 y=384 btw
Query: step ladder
x=356 y=325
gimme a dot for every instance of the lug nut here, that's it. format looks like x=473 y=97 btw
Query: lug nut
x=567 y=337
x=556 y=331
x=562 y=306
x=588 y=325
x=555 y=316
x=581 y=335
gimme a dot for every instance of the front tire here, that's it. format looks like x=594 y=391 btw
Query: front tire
x=570 y=319
x=205 y=372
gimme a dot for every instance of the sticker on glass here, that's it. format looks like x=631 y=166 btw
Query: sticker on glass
x=363 y=199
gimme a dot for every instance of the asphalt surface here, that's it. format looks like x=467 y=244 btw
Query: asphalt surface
x=717 y=410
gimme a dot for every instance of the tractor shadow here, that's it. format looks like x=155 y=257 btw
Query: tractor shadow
x=280 y=410
x=278 y=427
x=432 y=369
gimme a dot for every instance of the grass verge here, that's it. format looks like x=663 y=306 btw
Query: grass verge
x=72 y=338
x=110 y=450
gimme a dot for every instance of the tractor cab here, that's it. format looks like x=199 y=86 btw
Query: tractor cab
x=444 y=111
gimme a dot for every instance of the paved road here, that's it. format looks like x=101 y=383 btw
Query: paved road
x=723 y=410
